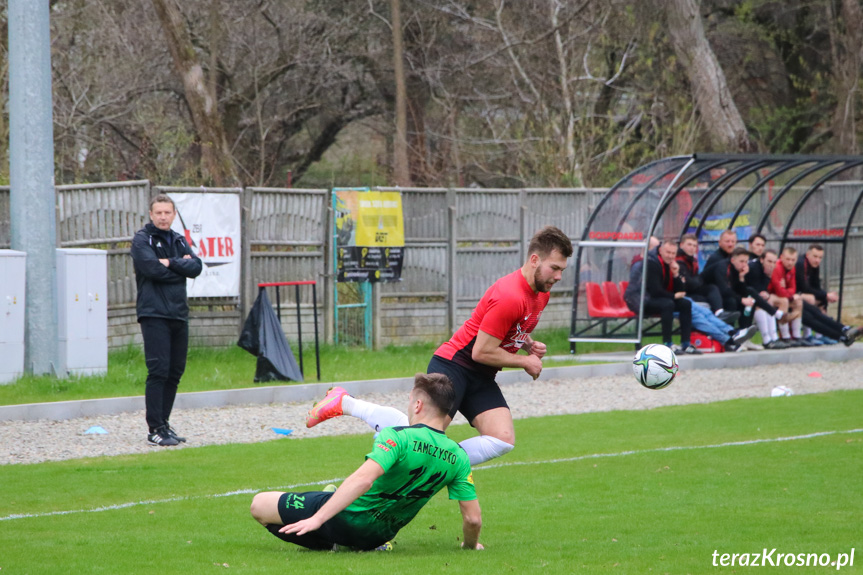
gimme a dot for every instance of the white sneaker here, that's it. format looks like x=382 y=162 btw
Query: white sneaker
x=752 y=346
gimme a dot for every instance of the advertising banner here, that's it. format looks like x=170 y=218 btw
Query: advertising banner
x=370 y=235
x=211 y=224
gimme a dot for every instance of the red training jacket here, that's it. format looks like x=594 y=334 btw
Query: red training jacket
x=783 y=282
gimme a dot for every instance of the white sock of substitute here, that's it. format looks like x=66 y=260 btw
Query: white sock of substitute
x=783 y=329
x=376 y=416
x=771 y=328
x=806 y=331
x=795 y=327
x=484 y=447
x=763 y=321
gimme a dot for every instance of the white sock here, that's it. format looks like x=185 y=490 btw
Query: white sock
x=795 y=327
x=718 y=312
x=376 y=416
x=771 y=328
x=484 y=447
x=778 y=315
x=783 y=329
x=765 y=322
x=807 y=331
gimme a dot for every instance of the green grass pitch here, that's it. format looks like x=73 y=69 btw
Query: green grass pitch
x=591 y=493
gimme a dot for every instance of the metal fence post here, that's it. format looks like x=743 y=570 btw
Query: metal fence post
x=524 y=234
x=376 y=315
x=246 y=288
x=330 y=285
x=451 y=273
x=299 y=326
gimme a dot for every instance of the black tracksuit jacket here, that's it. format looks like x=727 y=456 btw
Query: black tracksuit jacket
x=162 y=290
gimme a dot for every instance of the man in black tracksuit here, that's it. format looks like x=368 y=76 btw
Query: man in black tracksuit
x=163 y=260
x=696 y=288
x=808 y=271
x=815 y=299
x=664 y=295
x=727 y=243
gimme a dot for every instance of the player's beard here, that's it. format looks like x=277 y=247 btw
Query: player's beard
x=542 y=285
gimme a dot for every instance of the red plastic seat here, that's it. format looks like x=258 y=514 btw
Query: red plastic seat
x=615 y=300
x=597 y=306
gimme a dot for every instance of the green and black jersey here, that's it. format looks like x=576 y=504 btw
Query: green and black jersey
x=418 y=461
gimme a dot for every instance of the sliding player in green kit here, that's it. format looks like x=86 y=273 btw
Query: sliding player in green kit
x=405 y=468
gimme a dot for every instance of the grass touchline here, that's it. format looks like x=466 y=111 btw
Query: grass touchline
x=478 y=468
x=672 y=448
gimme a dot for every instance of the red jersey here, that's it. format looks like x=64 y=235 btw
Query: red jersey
x=783 y=282
x=508 y=311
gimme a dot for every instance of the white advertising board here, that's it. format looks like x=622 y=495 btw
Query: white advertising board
x=211 y=224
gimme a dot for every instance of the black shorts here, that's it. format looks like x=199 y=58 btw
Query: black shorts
x=474 y=391
x=295 y=507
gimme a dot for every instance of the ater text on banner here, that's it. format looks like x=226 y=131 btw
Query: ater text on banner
x=211 y=224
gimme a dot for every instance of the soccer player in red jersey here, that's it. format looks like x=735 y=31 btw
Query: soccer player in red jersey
x=489 y=340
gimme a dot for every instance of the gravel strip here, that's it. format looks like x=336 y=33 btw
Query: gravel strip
x=43 y=440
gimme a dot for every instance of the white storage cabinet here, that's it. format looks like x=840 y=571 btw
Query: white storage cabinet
x=13 y=270
x=82 y=309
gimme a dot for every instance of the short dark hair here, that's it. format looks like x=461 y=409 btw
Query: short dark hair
x=768 y=251
x=738 y=251
x=685 y=237
x=549 y=239
x=754 y=237
x=162 y=199
x=438 y=388
x=816 y=247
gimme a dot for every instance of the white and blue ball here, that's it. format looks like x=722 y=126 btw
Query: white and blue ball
x=654 y=366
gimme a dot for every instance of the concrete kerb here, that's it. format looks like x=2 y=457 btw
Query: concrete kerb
x=612 y=364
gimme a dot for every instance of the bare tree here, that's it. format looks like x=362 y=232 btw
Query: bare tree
x=499 y=94
x=401 y=172
x=712 y=96
x=216 y=161
x=846 y=46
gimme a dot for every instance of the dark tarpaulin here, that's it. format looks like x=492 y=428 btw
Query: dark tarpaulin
x=263 y=336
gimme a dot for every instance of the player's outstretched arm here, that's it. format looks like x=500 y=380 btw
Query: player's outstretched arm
x=471 y=523
x=355 y=485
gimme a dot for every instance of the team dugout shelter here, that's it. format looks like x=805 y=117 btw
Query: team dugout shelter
x=792 y=200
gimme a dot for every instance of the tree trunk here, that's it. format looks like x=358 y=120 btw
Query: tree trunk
x=570 y=164
x=845 y=40
x=217 y=165
x=401 y=172
x=712 y=96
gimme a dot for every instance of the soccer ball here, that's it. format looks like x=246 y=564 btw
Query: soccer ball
x=654 y=366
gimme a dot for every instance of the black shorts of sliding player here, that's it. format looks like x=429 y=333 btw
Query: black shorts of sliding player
x=295 y=507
